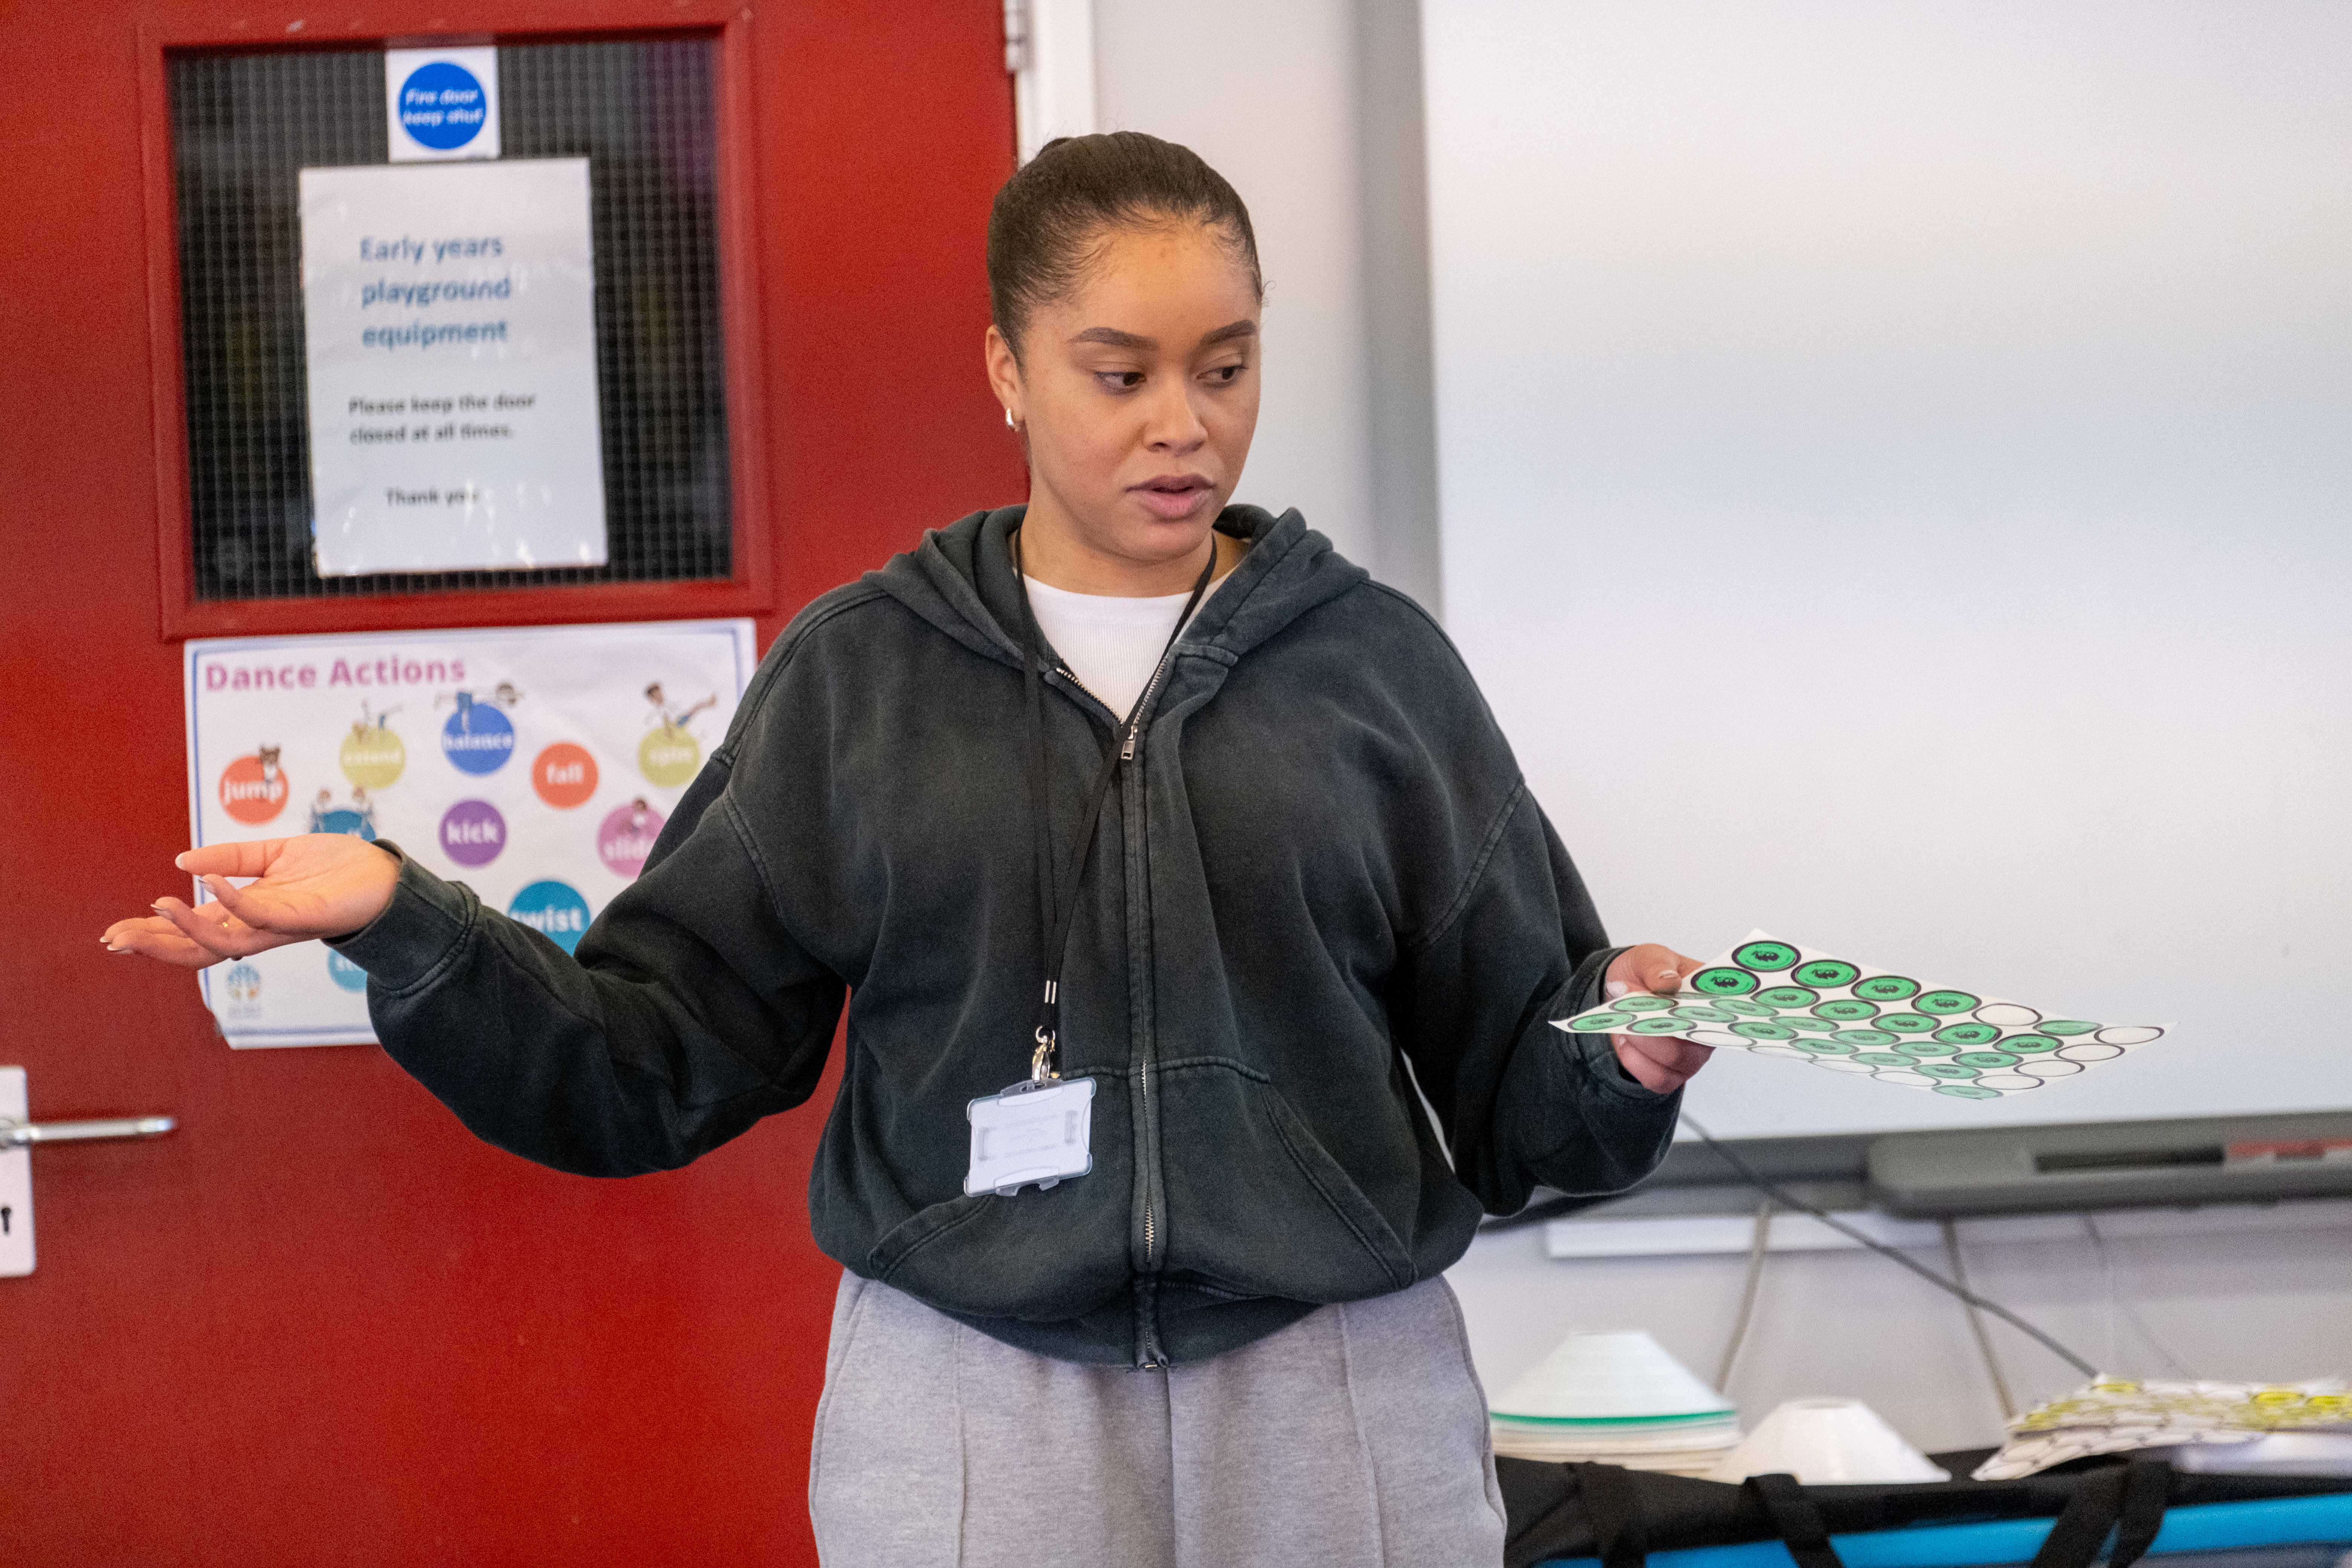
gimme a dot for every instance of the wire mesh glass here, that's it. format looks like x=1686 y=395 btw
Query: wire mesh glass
x=642 y=111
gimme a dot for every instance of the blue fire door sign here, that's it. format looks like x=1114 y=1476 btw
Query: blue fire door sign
x=441 y=103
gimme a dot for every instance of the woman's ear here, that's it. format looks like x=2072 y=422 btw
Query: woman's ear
x=1004 y=376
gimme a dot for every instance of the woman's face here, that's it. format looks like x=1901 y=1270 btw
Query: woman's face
x=1138 y=392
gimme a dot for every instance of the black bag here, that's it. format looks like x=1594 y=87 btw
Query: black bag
x=1620 y=1516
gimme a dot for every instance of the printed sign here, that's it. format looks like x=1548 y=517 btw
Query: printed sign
x=440 y=104
x=535 y=765
x=449 y=316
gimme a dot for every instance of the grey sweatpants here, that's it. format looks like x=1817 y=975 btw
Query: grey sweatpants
x=1356 y=1436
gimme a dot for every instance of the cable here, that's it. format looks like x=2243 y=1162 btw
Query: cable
x=2116 y=1298
x=2009 y=1410
x=1756 y=1247
x=1780 y=1196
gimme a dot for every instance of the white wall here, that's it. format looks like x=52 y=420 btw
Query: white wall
x=1274 y=96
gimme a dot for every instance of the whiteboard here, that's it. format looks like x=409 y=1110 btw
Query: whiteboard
x=1895 y=464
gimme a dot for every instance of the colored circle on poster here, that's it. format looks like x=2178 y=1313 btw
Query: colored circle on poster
x=668 y=756
x=1787 y=996
x=373 y=757
x=251 y=793
x=1656 y=1027
x=1707 y=1014
x=1884 y=1060
x=1765 y=955
x=477 y=739
x=1986 y=1060
x=2064 y=1026
x=1756 y=1029
x=1848 y=1009
x=442 y=105
x=1967 y=1091
x=2028 y=1044
x=1599 y=1023
x=1945 y=1071
x=1907 y=1023
x=2127 y=1035
x=1868 y=1038
x=2009 y=1014
x=1641 y=1001
x=1827 y=1048
x=344 y=972
x=472 y=833
x=1969 y=1033
x=1944 y=1003
x=1741 y=1007
x=626 y=838
x=564 y=775
x=1723 y=981
x=1926 y=1048
x=554 y=910
x=1824 y=974
x=1809 y=1024
x=1887 y=988
x=344 y=820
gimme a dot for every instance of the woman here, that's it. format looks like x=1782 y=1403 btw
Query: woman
x=1130 y=803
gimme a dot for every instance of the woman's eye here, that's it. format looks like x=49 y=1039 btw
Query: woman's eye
x=1120 y=380
x=1226 y=374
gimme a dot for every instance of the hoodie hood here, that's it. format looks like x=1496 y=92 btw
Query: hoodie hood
x=961 y=579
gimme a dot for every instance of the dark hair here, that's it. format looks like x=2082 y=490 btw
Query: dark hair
x=1051 y=217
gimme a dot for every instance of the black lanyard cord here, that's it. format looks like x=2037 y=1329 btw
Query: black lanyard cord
x=1058 y=896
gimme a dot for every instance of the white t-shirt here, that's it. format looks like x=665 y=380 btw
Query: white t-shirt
x=1112 y=645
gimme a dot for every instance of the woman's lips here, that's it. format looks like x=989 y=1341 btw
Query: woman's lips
x=1172 y=497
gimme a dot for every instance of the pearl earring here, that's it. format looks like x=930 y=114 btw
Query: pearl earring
x=1009 y=423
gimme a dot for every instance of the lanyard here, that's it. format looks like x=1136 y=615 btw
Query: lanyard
x=1058 y=897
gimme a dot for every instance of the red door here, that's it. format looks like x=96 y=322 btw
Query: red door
x=320 y=1323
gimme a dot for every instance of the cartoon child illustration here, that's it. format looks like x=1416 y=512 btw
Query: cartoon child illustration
x=502 y=695
x=370 y=722
x=670 y=719
x=358 y=818
x=268 y=758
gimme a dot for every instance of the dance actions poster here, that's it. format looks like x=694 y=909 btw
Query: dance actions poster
x=534 y=765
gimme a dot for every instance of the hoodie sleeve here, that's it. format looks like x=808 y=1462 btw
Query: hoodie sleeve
x=689 y=1012
x=1525 y=1104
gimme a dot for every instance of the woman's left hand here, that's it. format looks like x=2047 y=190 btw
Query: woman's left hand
x=1658 y=1062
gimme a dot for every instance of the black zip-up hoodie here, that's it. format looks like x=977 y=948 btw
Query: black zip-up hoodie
x=1320 y=865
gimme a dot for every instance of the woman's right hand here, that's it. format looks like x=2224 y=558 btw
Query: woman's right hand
x=320 y=884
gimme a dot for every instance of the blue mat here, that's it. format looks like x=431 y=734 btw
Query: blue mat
x=2205 y=1527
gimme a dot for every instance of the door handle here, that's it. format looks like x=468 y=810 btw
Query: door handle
x=25 y=1134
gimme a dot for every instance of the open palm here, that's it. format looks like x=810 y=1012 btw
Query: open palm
x=320 y=884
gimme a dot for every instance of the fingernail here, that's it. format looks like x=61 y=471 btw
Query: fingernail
x=1613 y=990
x=179 y=862
x=112 y=948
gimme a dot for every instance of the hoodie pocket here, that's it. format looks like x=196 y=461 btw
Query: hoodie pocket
x=1257 y=1205
x=1039 y=1256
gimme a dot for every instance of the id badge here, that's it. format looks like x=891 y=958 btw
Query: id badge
x=1032 y=1132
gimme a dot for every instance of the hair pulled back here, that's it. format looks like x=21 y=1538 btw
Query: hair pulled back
x=1051 y=218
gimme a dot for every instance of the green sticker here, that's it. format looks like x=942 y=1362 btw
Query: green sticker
x=1986 y=1059
x=1787 y=996
x=1868 y=1036
x=1848 y=1010
x=1967 y=1092
x=1811 y=1026
x=2064 y=1027
x=1887 y=988
x=1723 y=981
x=1909 y=1023
x=1945 y=1069
x=1705 y=1014
x=1927 y=1049
x=1969 y=1033
x=1765 y=955
x=2028 y=1043
x=1641 y=1001
x=1824 y=973
x=1742 y=1005
x=1884 y=1060
x=1654 y=1026
x=1824 y=1047
x=1943 y=1004
x=1757 y=1029
x=1600 y=1023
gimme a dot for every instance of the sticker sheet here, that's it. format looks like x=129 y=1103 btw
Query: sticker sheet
x=2117 y=1415
x=1776 y=998
x=535 y=764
